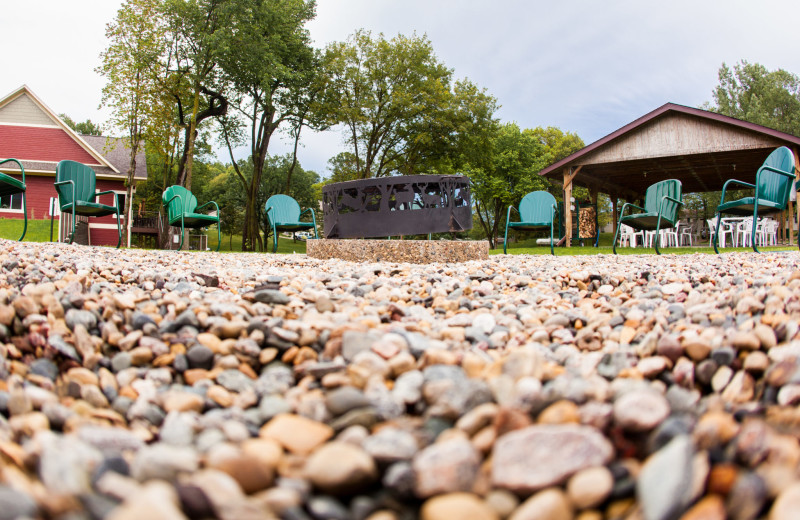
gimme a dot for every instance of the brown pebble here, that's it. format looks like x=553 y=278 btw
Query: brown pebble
x=560 y=412
x=711 y=507
x=721 y=478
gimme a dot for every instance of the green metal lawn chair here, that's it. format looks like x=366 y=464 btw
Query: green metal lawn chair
x=283 y=214
x=75 y=185
x=537 y=210
x=11 y=186
x=661 y=203
x=773 y=183
x=183 y=211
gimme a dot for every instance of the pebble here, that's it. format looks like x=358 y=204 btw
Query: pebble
x=590 y=487
x=640 y=411
x=341 y=468
x=446 y=467
x=457 y=505
x=154 y=383
x=539 y=456
x=664 y=484
x=549 y=504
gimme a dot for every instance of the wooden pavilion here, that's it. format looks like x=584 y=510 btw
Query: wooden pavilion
x=702 y=149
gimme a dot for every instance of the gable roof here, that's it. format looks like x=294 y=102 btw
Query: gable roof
x=41 y=138
x=704 y=148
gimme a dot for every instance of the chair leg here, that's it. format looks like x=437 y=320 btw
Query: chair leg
x=219 y=236
x=552 y=251
x=616 y=234
x=180 y=246
x=119 y=230
x=753 y=228
x=657 y=236
x=274 y=239
x=24 y=216
x=505 y=241
x=72 y=235
x=716 y=232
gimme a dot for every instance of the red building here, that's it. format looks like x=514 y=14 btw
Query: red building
x=33 y=134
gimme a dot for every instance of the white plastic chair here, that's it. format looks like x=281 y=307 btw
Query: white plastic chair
x=669 y=237
x=744 y=234
x=768 y=232
x=724 y=229
x=685 y=233
x=628 y=236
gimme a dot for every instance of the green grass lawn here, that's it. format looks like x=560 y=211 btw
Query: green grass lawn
x=39 y=231
x=529 y=247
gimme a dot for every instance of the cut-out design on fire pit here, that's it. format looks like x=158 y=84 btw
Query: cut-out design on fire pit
x=393 y=206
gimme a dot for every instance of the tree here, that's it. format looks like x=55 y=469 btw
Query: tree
x=752 y=93
x=194 y=27
x=266 y=56
x=134 y=45
x=509 y=173
x=85 y=128
x=380 y=90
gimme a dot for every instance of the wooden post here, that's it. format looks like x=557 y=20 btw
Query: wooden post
x=791 y=207
x=568 y=177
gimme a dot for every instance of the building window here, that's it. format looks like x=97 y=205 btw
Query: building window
x=11 y=202
x=121 y=202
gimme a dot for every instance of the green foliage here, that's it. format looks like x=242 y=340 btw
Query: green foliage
x=266 y=58
x=752 y=93
x=401 y=111
x=84 y=128
x=509 y=173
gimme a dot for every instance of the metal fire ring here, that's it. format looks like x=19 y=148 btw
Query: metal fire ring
x=393 y=206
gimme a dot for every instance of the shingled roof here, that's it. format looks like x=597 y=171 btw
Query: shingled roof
x=31 y=132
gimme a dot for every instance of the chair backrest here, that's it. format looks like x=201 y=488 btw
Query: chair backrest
x=187 y=201
x=537 y=207
x=284 y=209
x=81 y=175
x=656 y=192
x=773 y=186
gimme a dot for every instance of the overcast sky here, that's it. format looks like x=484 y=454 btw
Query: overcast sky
x=585 y=66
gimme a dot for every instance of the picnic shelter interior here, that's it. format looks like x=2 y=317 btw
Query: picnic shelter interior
x=701 y=149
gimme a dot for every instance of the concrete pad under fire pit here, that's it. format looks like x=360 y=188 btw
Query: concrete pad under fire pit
x=412 y=251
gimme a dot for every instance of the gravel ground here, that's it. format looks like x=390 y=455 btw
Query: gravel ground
x=164 y=385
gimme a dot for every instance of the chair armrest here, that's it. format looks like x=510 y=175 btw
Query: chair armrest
x=313 y=215
x=206 y=204
x=61 y=183
x=733 y=181
x=668 y=198
x=508 y=214
x=18 y=164
x=116 y=201
x=771 y=169
x=622 y=211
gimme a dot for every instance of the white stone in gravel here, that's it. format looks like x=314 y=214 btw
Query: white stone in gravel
x=652 y=366
x=664 y=487
x=640 y=411
x=789 y=395
x=721 y=378
x=446 y=467
x=540 y=456
x=672 y=288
